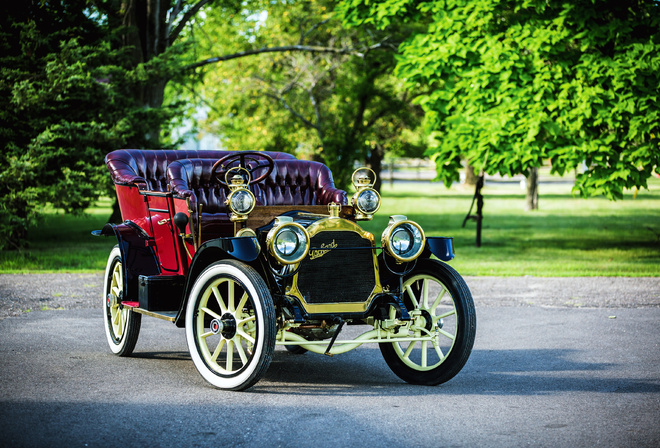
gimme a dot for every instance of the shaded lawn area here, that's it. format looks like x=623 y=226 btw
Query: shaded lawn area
x=63 y=243
x=568 y=236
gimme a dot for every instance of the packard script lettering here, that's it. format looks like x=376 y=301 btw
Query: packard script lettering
x=318 y=253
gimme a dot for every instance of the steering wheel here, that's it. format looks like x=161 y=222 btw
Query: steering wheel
x=262 y=161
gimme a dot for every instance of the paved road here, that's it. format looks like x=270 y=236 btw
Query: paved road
x=21 y=293
x=538 y=376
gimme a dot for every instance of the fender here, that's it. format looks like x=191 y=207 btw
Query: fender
x=440 y=246
x=245 y=249
x=138 y=257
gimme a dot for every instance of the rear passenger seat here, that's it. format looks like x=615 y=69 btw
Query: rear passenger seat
x=147 y=168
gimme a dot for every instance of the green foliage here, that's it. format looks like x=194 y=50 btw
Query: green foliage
x=336 y=108
x=512 y=84
x=62 y=242
x=571 y=236
x=69 y=94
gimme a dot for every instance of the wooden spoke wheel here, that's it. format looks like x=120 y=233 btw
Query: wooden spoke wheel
x=122 y=326
x=441 y=305
x=230 y=325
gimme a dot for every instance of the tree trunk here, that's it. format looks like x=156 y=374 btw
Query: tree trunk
x=147 y=33
x=470 y=176
x=16 y=225
x=532 y=199
x=375 y=162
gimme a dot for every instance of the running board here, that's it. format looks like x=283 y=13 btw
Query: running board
x=169 y=316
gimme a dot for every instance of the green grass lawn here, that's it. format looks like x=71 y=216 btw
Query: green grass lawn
x=567 y=237
x=63 y=243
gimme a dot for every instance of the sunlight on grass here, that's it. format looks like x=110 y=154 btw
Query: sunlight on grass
x=568 y=236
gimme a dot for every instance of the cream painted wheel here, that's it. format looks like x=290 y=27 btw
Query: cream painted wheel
x=230 y=325
x=441 y=305
x=122 y=326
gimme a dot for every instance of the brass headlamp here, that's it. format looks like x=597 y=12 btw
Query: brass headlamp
x=366 y=199
x=241 y=201
x=287 y=241
x=403 y=239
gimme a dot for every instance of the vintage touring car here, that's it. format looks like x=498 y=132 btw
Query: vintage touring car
x=251 y=250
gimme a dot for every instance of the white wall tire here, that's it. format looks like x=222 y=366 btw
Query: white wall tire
x=122 y=326
x=230 y=325
x=443 y=301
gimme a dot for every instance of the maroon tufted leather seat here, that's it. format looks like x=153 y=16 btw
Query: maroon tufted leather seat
x=298 y=182
x=148 y=168
x=191 y=179
x=292 y=182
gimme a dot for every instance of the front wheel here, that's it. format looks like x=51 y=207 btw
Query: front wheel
x=122 y=326
x=441 y=305
x=230 y=325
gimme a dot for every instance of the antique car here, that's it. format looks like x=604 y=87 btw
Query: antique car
x=252 y=250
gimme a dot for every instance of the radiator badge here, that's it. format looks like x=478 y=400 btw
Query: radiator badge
x=325 y=248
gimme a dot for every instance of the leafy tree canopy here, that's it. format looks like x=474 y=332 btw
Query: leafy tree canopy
x=69 y=94
x=513 y=83
x=338 y=107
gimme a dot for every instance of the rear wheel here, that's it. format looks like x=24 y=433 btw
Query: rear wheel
x=440 y=304
x=230 y=325
x=122 y=326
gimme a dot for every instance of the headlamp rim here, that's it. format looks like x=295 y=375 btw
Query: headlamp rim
x=234 y=193
x=372 y=177
x=272 y=236
x=356 y=200
x=386 y=239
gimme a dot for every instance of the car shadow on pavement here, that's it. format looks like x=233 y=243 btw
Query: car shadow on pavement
x=488 y=372
x=169 y=356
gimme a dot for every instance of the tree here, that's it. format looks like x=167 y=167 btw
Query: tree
x=57 y=112
x=513 y=84
x=77 y=80
x=334 y=106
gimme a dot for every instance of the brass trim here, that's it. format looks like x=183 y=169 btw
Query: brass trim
x=396 y=221
x=246 y=232
x=363 y=215
x=280 y=224
x=193 y=231
x=361 y=181
x=231 y=183
x=334 y=224
x=199 y=224
x=161 y=315
x=236 y=216
x=364 y=179
x=339 y=225
x=334 y=209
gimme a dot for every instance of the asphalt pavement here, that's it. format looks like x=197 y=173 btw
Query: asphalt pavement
x=568 y=376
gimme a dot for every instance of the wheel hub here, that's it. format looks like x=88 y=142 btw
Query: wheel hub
x=225 y=326
x=428 y=320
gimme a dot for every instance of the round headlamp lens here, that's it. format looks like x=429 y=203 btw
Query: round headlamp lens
x=404 y=240
x=368 y=201
x=401 y=240
x=241 y=201
x=287 y=242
